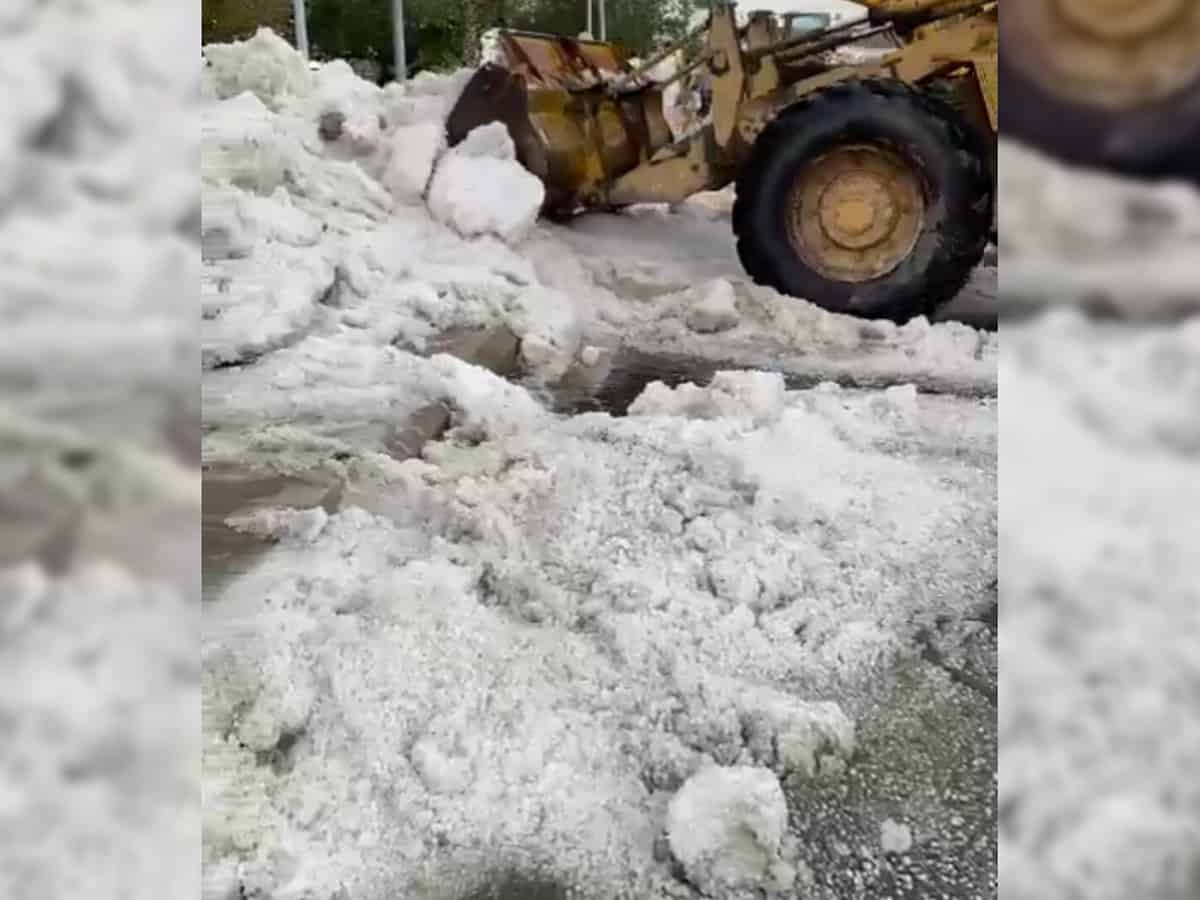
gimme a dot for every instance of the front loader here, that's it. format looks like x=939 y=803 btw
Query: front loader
x=867 y=188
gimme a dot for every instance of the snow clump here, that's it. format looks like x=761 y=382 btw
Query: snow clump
x=759 y=396
x=726 y=827
x=716 y=311
x=479 y=188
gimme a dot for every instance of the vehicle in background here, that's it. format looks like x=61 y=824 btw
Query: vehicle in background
x=865 y=176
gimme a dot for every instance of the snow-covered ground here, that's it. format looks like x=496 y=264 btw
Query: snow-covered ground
x=550 y=643
x=1099 y=731
x=1117 y=247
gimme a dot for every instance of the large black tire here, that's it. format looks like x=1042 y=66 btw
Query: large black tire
x=922 y=130
x=1155 y=140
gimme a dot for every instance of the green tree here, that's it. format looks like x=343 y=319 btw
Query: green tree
x=439 y=34
x=362 y=29
x=477 y=16
x=222 y=21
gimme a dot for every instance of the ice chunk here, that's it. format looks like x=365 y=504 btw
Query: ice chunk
x=414 y=152
x=895 y=837
x=756 y=395
x=491 y=141
x=304 y=525
x=726 y=827
x=717 y=310
x=479 y=189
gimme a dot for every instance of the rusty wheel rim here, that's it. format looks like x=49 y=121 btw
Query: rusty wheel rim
x=856 y=213
x=1116 y=54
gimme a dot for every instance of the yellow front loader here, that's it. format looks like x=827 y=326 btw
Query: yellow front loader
x=867 y=188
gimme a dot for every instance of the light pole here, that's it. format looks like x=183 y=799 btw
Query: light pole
x=301 y=17
x=590 y=24
x=398 y=37
x=603 y=23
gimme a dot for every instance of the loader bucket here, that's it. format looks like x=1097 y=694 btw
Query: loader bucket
x=568 y=131
x=553 y=61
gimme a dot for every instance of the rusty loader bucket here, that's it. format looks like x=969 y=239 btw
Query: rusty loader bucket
x=552 y=95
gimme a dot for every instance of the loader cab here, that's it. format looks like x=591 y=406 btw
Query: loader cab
x=798 y=24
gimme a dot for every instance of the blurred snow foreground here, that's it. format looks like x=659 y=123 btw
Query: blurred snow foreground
x=99 y=451
x=546 y=643
x=1099 y=728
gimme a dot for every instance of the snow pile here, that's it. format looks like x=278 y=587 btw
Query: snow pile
x=726 y=827
x=98 y=694
x=545 y=627
x=1100 y=620
x=99 y=438
x=98 y=260
x=315 y=220
x=266 y=65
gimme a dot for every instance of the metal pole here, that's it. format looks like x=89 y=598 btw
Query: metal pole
x=603 y=22
x=590 y=23
x=301 y=17
x=401 y=51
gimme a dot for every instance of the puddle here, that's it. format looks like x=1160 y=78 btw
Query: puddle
x=226 y=553
x=633 y=370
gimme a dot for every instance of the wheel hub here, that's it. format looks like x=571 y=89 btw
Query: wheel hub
x=856 y=213
x=1116 y=20
x=1110 y=53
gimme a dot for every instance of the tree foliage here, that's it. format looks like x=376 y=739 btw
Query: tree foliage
x=440 y=34
x=222 y=21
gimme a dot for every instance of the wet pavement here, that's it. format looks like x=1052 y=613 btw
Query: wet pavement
x=226 y=552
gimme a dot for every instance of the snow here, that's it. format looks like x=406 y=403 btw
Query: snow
x=1100 y=619
x=415 y=151
x=895 y=837
x=99 y=689
x=510 y=651
x=266 y=66
x=1120 y=472
x=715 y=311
x=726 y=826
x=479 y=188
x=535 y=640
x=756 y=395
x=99 y=440
x=1096 y=241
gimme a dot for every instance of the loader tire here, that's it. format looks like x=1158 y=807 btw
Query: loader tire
x=1118 y=90
x=895 y=162
x=1152 y=141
